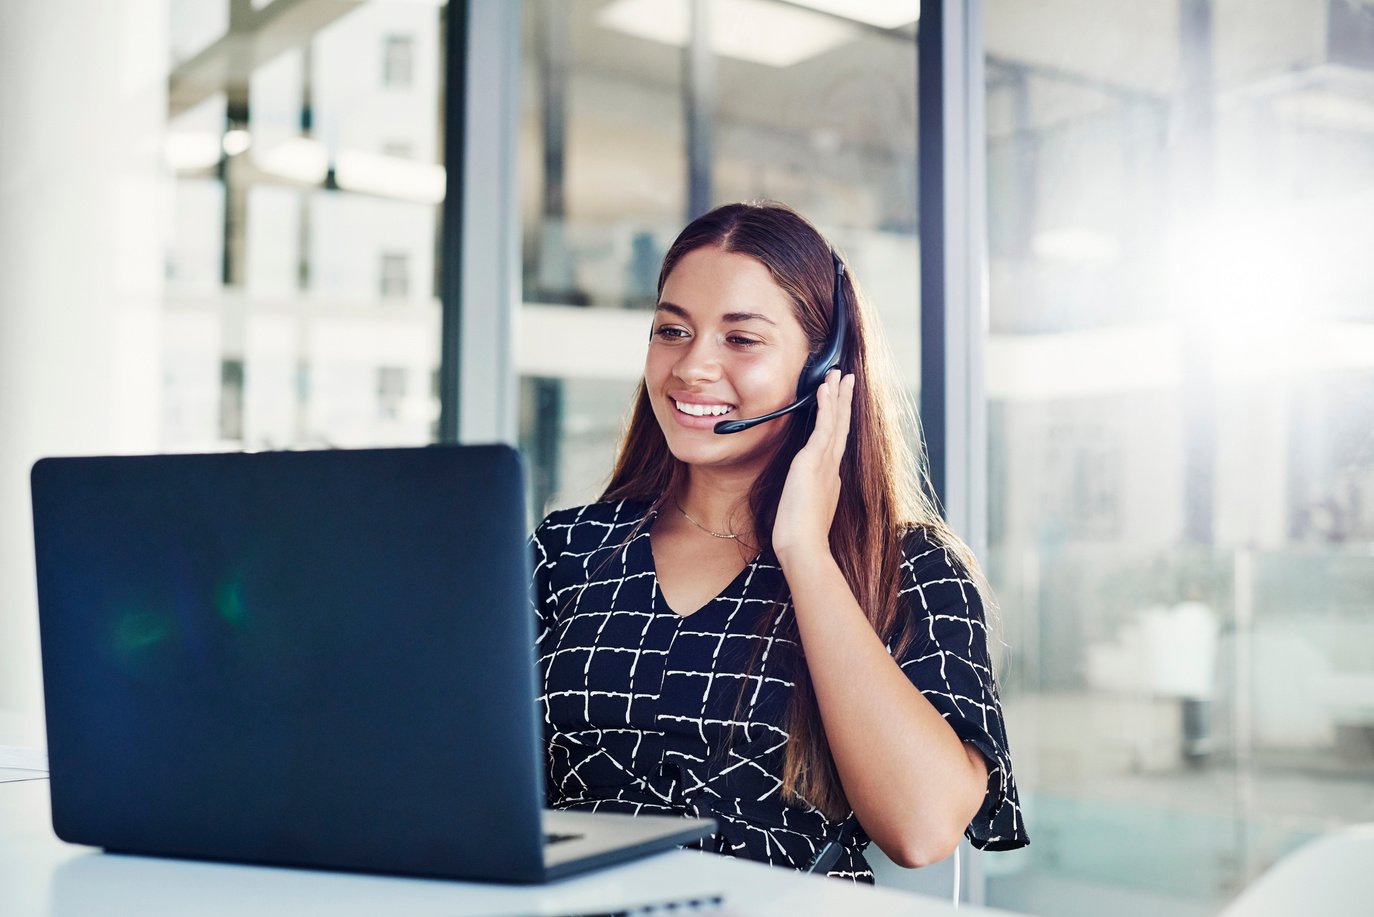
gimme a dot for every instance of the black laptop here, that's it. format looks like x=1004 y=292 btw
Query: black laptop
x=315 y=659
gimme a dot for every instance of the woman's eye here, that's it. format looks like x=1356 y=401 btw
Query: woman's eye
x=668 y=332
x=742 y=341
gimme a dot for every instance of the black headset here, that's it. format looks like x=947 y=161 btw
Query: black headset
x=817 y=366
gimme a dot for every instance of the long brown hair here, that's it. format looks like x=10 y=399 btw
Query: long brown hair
x=884 y=493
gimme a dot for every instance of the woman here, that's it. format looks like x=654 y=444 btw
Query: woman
x=772 y=627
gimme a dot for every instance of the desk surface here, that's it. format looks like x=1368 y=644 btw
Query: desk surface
x=40 y=875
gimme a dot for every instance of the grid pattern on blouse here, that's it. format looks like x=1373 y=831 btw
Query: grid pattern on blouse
x=649 y=711
x=629 y=660
x=953 y=670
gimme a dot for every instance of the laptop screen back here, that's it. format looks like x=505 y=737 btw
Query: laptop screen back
x=307 y=658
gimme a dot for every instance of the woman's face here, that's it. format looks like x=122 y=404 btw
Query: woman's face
x=726 y=344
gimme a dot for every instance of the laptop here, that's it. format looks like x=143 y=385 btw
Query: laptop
x=312 y=659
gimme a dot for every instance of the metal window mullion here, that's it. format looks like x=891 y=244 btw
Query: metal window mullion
x=699 y=102
x=954 y=261
x=953 y=243
x=481 y=241
x=973 y=332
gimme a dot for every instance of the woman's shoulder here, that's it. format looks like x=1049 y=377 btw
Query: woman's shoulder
x=603 y=520
x=930 y=555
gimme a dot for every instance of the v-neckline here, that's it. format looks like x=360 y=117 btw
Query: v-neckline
x=661 y=598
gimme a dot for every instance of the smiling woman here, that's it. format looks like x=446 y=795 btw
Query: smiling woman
x=772 y=627
x=725 y=343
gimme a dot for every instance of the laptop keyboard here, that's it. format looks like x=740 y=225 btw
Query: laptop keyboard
x=555 y=838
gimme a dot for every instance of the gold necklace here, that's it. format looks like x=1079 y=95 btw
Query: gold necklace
x=699 y=525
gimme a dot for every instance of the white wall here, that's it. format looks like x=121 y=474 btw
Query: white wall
x=82 y=187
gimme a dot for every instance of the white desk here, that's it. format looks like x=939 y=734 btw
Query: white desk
x=40 y=876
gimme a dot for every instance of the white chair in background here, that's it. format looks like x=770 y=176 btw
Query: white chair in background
x=1332 y=875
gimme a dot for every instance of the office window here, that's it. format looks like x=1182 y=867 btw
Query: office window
x=231 y=400
x=817 y=110
x=391 y=391
x=231 y=280
x=395 y=275
x=398 y=61
x=1180 y=374
x=1079 y=463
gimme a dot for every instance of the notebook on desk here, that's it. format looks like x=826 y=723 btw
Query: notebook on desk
x=316 y=659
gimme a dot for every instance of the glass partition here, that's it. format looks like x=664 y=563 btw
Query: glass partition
x=1180 y=365
x=634 y=109
x=302 y=280
x=220 y=232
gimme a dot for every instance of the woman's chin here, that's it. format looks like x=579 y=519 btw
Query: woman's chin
x=711 y=449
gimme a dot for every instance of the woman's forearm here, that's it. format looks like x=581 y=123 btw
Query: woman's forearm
x=912 y=783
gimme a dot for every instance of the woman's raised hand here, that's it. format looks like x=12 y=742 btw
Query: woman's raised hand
x=811 y=492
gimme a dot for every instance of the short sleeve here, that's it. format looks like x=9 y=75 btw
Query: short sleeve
x=948 y=662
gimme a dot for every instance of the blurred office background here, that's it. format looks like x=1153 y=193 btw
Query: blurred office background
x=220 y=228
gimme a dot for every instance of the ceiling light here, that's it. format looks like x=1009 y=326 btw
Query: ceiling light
x=390 y=176
x=236 y=141
x=188 y=151
x=885 y=14
x=750 y=30
x=297 y=159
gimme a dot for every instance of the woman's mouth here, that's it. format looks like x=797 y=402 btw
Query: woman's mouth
x=702 y=410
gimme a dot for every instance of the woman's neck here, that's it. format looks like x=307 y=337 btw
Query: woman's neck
x=718 y=499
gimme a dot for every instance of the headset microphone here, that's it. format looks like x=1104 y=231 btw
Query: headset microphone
x=814 y=373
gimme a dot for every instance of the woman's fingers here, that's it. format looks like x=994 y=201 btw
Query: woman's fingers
x=824 y=432
x=834 y=404
x=806 y=509
x=834 y=401
x=844 y=406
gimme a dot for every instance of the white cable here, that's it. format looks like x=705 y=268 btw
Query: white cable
x=956 y=877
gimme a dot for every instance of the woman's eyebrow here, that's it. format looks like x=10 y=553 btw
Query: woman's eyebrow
x=747 y=317
x=673 y=309
x=680 y=312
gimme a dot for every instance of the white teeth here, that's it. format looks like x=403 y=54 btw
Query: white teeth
x=703 y=410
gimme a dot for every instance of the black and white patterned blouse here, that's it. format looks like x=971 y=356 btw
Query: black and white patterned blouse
x=649 y=711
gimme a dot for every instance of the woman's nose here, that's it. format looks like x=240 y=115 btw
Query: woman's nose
x=700 y=362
